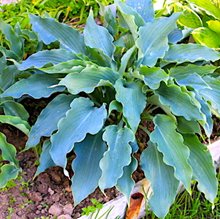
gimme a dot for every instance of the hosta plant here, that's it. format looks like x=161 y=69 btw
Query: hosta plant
x=111 y=81
x=13 y=48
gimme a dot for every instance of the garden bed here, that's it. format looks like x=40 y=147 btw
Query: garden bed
x=49 y=194
x=110 y=104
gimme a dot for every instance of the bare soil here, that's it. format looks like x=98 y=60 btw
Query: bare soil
x=47 y=195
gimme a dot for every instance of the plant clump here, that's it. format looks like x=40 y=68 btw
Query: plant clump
x=109 y=79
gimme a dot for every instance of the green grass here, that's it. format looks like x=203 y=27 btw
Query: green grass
x=72 y=11
x=192 y=207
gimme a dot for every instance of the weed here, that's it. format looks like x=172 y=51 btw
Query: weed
x=10 y=211
x=191 y=207
x=96 y=205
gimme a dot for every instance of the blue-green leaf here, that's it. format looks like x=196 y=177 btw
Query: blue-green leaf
x=37 y=86
x=113 y=162
x=7 y=173
x=213 y=94
x=45 y=158
x=187 y=127
x=180 y=102
x=109 y=14
x=202 y=164
x=127 y=21
x=3 y=61
x=143 y=7
x=175 y=153
x=96 y=56
x=66 y=67
x=134 y=146
x=9 y=170
x=192 y=80
x=175 y=36
x=125 y=59
x=15 y=41
x=8 y=76
x=88 y=79
x=114 y=105
x=17 y=122
x=133 y=100
x=130 y=15
x=50 y=30
x=98 y=37
x=8 y=151
x=48 y=119
x=86 y=168
x=42 y=58
x=13 y=108
x=153 y=76
x=207 y=123
x=180 y=53
x=153 y=39
x=162 y=180
x=125 y=184
x=81 y=119
x=183 y=71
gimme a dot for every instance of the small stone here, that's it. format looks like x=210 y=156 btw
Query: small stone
x=68 y=209
x=19 y=213
x=31 y=215
x=14 y=216
x=106 y=199
x=35 y=196
x=55 y=197
x=64 y=216
x=39 y=207
x=42 y=188
x=55 y=210
x=100 y=199
x=43 y=211
x=51 y=192
x=37 y=212
x=76 y=215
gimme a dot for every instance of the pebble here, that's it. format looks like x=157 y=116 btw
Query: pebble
x=42 y=188
x=55 y=210
x=51 y=192
x=39 y=207
x=55 y=197
x=37 y=212
x=100 y=199
x=19 y=213
x=76 y=215
x=14 y=216
x=31 y=215
x=106 y=199
x=35 y=196
x=68 y=209
x=64 y=216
